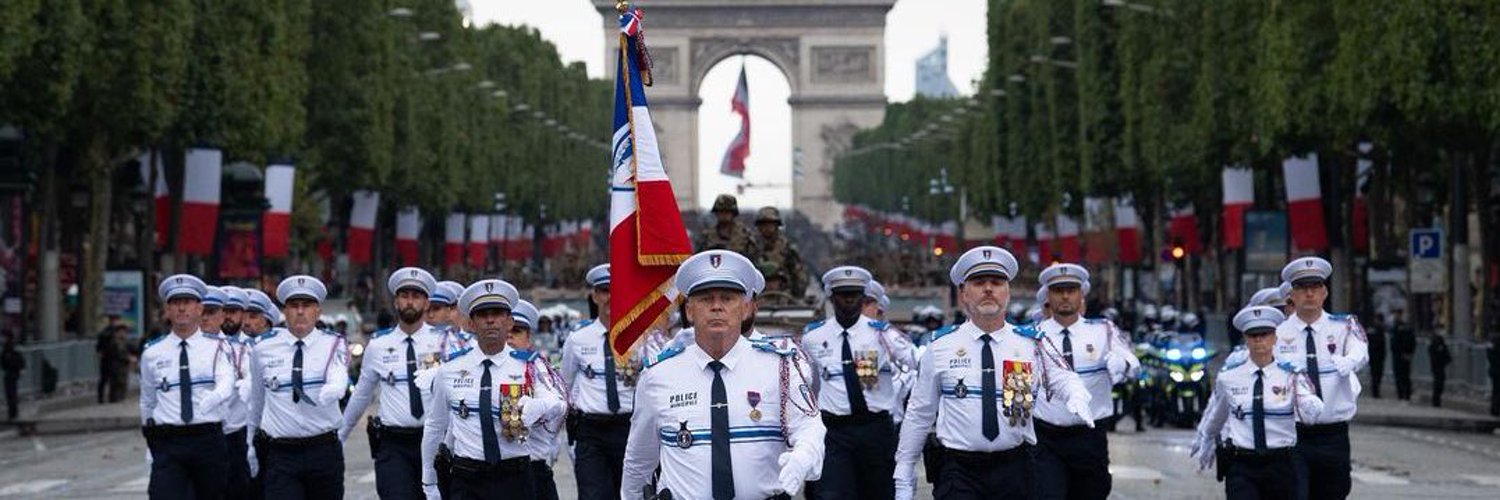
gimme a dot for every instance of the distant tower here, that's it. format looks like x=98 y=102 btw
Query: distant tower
x=466 y=10
x=932 y=72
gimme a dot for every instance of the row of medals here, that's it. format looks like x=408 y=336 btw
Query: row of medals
x=511 y=427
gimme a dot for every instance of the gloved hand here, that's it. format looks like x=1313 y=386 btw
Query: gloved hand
x=1080 y=406
x=1116 y=364
x=242 y=389
x=1203 y=450
x=254 y=464
x=329 y=395
x=431 y=491
x=1344 y=365
x=906 y=482
x=794 y=470
x=531 y=410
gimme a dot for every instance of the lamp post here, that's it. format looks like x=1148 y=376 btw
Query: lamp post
x=941 y=186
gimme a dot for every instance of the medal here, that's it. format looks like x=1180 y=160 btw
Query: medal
x=511 y=426
x=628 y=371
x=1090 y=349
x=430 y=360
x=271 y=384
x=753 y=398
x=1018 y=398
x=960 y=390
x=684 y=436
x=867 y=368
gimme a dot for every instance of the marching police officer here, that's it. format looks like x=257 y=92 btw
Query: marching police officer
x=980 y=381
x=542 y=442
x=225 y=325
x=392 y=360
x=299 y=374
x=1251 y=419
x=487 y=402
x=1331 y=349
x=603 y=395
x=876 y=301
x=723 y=416
x=858 y=361
x=1073 y=458
x=442 y=304
x=184 y=385
x=263 y=315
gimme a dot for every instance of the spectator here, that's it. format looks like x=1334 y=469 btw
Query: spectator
x=1376 y=336
x=101 y=345
x=1439 y=357
x=1403 y=346
x=12 y=363
x=117 y=358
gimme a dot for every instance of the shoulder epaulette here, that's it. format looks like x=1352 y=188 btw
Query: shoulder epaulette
x=880 y=325
x=267 y=335
x=665 y=354
x=458 y=354
x=814 y=325
x=522 y=355
x=1231 y=362
x=332 y=333
x=154 y=340
x=774 y=347
x=1343 y=318
x=582 y=324
x=944 y=331
x=382 y=332
x=1028 y=330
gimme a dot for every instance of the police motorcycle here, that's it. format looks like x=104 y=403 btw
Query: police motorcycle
x=1180 y=380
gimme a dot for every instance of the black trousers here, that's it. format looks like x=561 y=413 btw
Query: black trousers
x=1402 y=369
x=509 y=479
x=859 y=457
x=12 y=396
x=1439 y=379
x=239 y=466
x=600 y=456
x=398 y=466
x=1008 y=474
x=1322 y=461
x=1377 y=369
x=541 y=479
x=189 y=466
x=300 y=472
x=1071 y=463
x=1270 y=477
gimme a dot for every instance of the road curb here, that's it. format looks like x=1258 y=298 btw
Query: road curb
x=1482 y=425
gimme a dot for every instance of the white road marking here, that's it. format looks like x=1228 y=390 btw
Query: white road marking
x=37 y=444
x=31 y=487
x=1376 y=477
x=1482 y=480
x=1138 y=473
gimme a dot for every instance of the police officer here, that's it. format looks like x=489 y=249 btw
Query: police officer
x=488 y=405
x=184 y=385
x=723 y=416
x=1252 y=416
x=980 y=382
x=876 y=301
x=858 y=361
x=1331 y=349
x=1072 y=457
x=263 y=315
x=776 y=248
x=224 y=325
x=393 y=358
x=442 y=304
x=1270 y=297
x=300 y=374
x=602 y=396
x=542 y=443
x=727 y=233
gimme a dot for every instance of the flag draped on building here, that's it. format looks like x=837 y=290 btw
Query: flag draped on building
x=276 y=224
x=739 y=148
x=362 y=226
x=408 y=229
x=1304 y=201
x=647 y=240
x=1239 y=194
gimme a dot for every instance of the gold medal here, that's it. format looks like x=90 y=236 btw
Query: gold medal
x=755 y=414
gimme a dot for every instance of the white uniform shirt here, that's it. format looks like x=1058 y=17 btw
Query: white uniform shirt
x=1339 y=340
x=1286 y=395
x=456 y=390
x=236 y=352
x=1094 y=342
x=583 y=370
x=325 y=379
x=384 y=368
x=210 y=375
x=824 y=342
x=949 y=390
x=675 y=394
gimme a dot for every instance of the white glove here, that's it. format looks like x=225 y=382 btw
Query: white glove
x=1203 y=450
x=794 y=471
x=1080 y=406
x=906 y=489
x=1344 y=365
x=242 y=388
x=531 y=410
x=254 y=464
x=329 y=395
x=1116 y=364
x=431 y=491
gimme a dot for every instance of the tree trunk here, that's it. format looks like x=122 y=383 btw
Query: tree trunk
x=97 y=166
x=49 y=297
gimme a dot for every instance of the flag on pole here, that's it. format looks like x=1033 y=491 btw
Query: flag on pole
x=453 y=239
x=408 y=229
x=734 y=158
x=479 y=240
x=1127 y=231
x=362 y=225
x=151 y=165
x=1095 y=230
x=200 y=201
x=276 y=225
x=1239 y=194
x=1068 y=248
x=647 y=240
x=1364 y=170
x=1304 y=200
x=1044 y=249
x=1183 y=230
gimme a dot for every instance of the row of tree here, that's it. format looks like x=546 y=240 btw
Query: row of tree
x=397 y=97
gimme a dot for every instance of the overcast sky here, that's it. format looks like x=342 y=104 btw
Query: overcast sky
x=912 y=29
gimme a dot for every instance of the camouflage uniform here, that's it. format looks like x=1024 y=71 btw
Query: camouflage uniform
x=780 y=251
x=735 y=236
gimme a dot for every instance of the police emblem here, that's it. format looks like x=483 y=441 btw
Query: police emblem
x=164 y=386
x=1090 y=349
x=960 y=390
x=463 y=409
x=753 y=398
x=588 y=371
x=714 y=260
x=986 y=254
x=961 y=352
x=390 y=378
x=273 y=383
x=1331 y=344
x=684 y=436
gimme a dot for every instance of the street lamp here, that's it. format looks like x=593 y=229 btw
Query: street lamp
x=400 y=13
x=429 y=36
x=940 y=185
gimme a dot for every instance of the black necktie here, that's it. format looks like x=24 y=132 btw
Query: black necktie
x=185 y=383
x=487 y=418
x=297 y=394
x=851 y=381
x=990 y=420
x=413 y=396
x=1068 y=347
x=1258 y=414
x=611 y=393
x=723 y=471
x=1312 y=362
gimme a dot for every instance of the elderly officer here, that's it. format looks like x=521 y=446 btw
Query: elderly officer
x=392 y=360
x=542 y=442
x=983 y=407
x=488 y=404
x=184 y=384
x=1252 y=417
x=301 y=372
x=1072 y=457
x=858 y=361
x=602 y=396
x=723 y=416
x=224 y=324
x=1332 y=349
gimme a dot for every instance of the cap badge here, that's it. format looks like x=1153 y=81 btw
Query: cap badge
x=489 y=287
x=986 y=254
x=714 y=260
x=848 y=272
x=301 y=281
x=1256 y=312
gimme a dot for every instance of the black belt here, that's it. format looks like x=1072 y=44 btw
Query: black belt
x=605 y=418
x=468 y=466
x=329 y=437
x=1323 y=429
x=1249 y=454
x=1020 y=452
x=401 y=431
x=855 y=418
x=1059 y=430
x=169 y=431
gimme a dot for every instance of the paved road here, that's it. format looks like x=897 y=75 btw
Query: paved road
x=1390 y=463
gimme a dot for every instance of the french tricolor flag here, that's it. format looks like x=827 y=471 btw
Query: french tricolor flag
x=497 y=235
x=153 y=175
x=453 y=239
x=1044 y=250
x=479 y=240
x=1183 y=229
x=1068 y=247
x=1127 y=230
x=408 y=231
x=276 y=224
x=362 y=225
x=1304 y=200
x=1239 y=194
x=200 y=201
x=733 y=164
x=1095 y=229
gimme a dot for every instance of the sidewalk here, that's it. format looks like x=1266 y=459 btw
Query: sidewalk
x=78 y=412
x=1465 y=409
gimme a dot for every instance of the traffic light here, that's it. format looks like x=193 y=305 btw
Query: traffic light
x=1178 y=252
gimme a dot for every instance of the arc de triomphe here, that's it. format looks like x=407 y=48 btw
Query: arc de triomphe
x=831 y=51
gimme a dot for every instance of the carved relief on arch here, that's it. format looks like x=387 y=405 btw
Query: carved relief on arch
x=784 y=52
x=837 y=138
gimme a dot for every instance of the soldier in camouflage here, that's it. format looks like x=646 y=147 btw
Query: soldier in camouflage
x=728 y=233
x=776 y=248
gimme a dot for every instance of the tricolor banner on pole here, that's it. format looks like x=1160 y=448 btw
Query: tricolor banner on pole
x=1183 y=230
x=1239 y=194
x=1304 y=202
x=154 y=177
x=1068 y=248
x=276 y=224
x=1095 y=230
x=1044 y=248
x=453 y=239
x=408 y=231
x=479 y=240
x=200 y=201
x=647 y=240
x=1127 y=231
x=362 y=226
x=733 y=164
